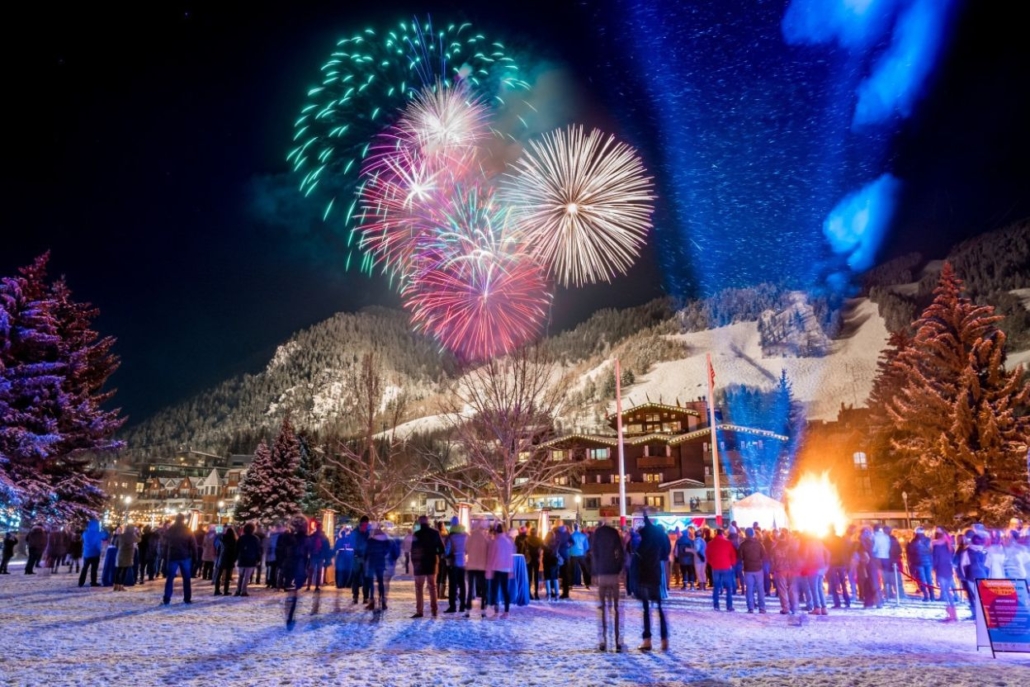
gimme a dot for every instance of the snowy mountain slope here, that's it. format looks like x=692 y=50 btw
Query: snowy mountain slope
x=822 y=383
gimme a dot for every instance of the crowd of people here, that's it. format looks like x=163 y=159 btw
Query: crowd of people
x=865 y=566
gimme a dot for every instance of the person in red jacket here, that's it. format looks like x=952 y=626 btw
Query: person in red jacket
x=722 y=557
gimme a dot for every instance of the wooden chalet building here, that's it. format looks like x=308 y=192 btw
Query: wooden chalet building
x=668 y=462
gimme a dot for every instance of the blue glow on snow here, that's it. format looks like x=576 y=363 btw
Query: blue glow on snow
x=857 y=224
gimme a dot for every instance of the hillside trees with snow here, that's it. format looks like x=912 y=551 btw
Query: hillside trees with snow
x=956 y=419
x=383 y=469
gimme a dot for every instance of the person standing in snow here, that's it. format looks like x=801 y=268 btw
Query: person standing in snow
x=180 y=552
x=578 y=553
x=475 y=570
x=533 y=547
x=271 y=566
x=454 y=552
x=208 y=555
x=941 y=557
x=248 y=557
x=552 y=563
x=753 y=557
x=426 y=549
x=126 y=556
x=344 y=558
x=406 y=550
x=500 y=554
x=380 y=554
x=10 y=541
x=564 y=539
x=293 y=563
x=226 y=560
x=607 y=558
x=651 y=554
x=319 y=553
x=359 y=544
x=722 y=557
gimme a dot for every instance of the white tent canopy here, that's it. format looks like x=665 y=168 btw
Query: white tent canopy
x=766 y=511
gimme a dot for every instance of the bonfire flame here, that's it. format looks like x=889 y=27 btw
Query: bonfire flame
x=815 y=506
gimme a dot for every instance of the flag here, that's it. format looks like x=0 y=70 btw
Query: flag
x=711 y=372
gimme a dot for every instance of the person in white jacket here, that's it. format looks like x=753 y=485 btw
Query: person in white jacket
x=500 y=558
x=475 y=569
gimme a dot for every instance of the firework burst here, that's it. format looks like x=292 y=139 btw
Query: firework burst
x=583 y=204
x=474 y=292
x=368 y=79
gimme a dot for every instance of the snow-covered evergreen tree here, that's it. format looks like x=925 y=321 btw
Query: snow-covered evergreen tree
x=53 y=368
x=960 y=436
x=272 y=488
x=247 y=507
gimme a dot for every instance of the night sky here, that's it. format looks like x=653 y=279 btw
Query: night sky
x=146 y=151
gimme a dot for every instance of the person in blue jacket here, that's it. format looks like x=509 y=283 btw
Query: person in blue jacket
x=92 y=540
x=344 y=553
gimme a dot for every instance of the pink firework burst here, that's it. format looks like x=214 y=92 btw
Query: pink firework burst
x=474 y=291
x=480 y=307
x=412 y=168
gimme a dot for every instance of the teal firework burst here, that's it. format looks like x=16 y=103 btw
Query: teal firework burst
x=367 y=80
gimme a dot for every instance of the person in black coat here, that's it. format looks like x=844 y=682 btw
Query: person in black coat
x=10 y=541
x=651 y=553
x=180 y=550
x=607 y=558
x=248 y=555
x=226 y=559
x=426 y=548
x=291 y=553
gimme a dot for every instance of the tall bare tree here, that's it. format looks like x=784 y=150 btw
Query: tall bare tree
x=382 y=467
x=499 y=413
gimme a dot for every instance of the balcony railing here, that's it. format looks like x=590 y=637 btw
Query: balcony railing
x=656 y=462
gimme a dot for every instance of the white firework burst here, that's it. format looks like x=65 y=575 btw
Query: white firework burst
x=583 y=204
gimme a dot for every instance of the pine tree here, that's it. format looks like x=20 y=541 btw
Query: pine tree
x=54 y=368
x=272 y=488
x=960 y=438
x=247 y=508
x=788 y=417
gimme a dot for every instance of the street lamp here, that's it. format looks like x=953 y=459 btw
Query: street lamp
x=221 y=506
x=127 y=500
x=908 y=515
x=577 y=499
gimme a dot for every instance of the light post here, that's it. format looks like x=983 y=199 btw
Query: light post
x=127 y=500
x=414 y=510
x=221 y=506
x=577 y=499
x=908 y=515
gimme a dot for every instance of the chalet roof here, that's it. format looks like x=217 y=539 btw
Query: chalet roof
x=656 y=406
x=685 y=483
x=658 y=437
x=213 y=479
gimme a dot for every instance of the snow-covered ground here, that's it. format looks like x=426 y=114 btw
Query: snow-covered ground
x=846 y=375
x=57 y=634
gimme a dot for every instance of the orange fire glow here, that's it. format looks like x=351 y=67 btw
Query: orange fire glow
x=815 y=507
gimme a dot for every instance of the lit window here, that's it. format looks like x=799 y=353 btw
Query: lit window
x=562 y=481
x=655 y=501
x=860 y=461
x=557 y=456
x=523 y=456
x=599 y=453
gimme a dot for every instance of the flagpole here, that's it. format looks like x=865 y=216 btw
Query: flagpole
x=622 y=453
x=714 y=441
